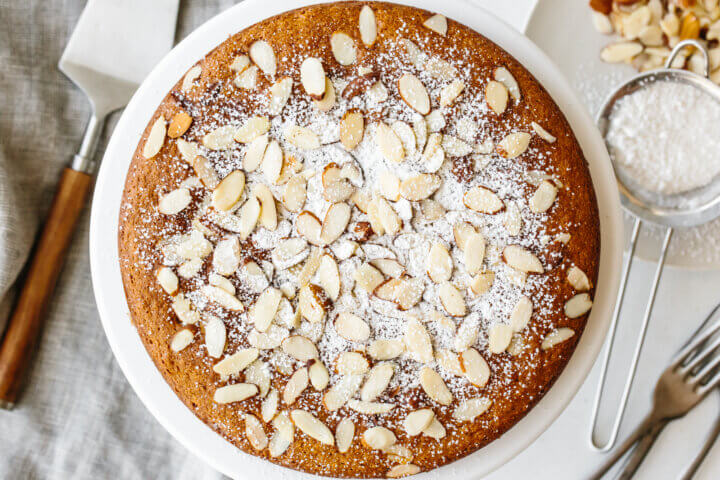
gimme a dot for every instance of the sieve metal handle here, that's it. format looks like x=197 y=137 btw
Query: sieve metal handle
x=690 y=43
x=627 y=264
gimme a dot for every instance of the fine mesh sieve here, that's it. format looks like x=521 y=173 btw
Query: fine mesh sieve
x=686 y=209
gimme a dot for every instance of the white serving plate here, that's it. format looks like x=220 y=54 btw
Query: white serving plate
x=136 y=363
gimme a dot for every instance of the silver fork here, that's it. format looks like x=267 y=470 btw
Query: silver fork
x=683 y=384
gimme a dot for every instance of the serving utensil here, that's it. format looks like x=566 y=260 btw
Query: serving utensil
x=114 y=46
x=687 y=209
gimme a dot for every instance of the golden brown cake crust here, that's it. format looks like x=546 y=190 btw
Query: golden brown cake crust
x=517 y=382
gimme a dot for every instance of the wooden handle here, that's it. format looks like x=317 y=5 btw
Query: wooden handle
x=25 y=322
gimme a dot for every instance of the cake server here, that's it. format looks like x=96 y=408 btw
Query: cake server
x=113 y=47
x=687 y=209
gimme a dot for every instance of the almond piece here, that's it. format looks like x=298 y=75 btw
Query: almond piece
x=575 y=276
x=521 y=259
x=558 y=335
x=520 y=316
x=370 y=408
x=435 y=430
x=295 y=386
x=417 y=421
x=390 y=220
x=234 y=393
x=475 y=367
x=339 y=191
x=272 y=162
x=474 y=253
x=542 y=133
x=351 y=129
x=262 y=313
x=313 y=303
x=188 y=150
x=319 y=376
x=302 y=138
x=312 y=427
x=434 y=386
x=155 y=138
x=471 y=408
x=295 y=193
x=514 y=145
x=439 y=263
x=481 y=283
x=329 y=99
x=451 y=92
x=252 y=129
x=226 y=258
x=437 y=23
x=308 y=226
x=236 y=363
x=543 y=198
x=452 y=300
x=378 y=438
x=368 y=26
x=389 y=186
x=377 y=381
x=328 y=277
x=466 y=334
x=462 y=232
x=402 y=470
x=263 y=55
x=434 y=156
x=248 y=214
x=190 y=77
x=255 y=433
x=300 y=348
x=432 y=210
x=406 y=135
x=229 y=191
x=417 y=341
x=503 y=75
x=578 y=305
x=496 y=96
x=620 y=52
x=413 y=92
x=289 y=252
x=454 y=147
x=255 y=153
x=343 y=48
x=450 y=361
x=205 y=172
x=167 y=280
x=388 y=267
x=351 y=363
x=280 y=93
x=386 y=349
x=312 y=77
x=219 y=139
x=179 y=125
x=367 y=277
x=483 y=200
x=419 y=187
x=513 y=219
x=335 y=222
x=181 y=340
x=174 y=202
x=499 y=336
x=247 y=79
x=341 y=391
x=351 y=327
x=389 y=143
x=344 y=433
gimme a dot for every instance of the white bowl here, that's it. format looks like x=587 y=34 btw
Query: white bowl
x=125 y=342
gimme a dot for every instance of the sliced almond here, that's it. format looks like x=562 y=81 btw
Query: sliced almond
x=419 y=187
x=295 y=193
x=521 y=259
x=389 y=143
x=328 y=277
x=373 y=214
x=280 y=93
x=312 y=427
x=240 y=63
x=415 y=55
x=335 y=222
x=236 y=363
x=414 y=93
x=341 y=391
x=308 y=225
x=181 y=340
x=439 y=263
x=262 y=53
x=437 y=23
x=351 y=327
x=377 y=93
x=329 y=99
x=302 y=137
x=542 y=133
x=368 y=26
x=254 y=432
x=386 y=349
x=557 y=336
x=155 y=138
x=474 y=253
x=351 y=129
x=466 y=334
x=312 y=77
x=405 y=292
x=378 y=438
x=377 y=381
x=215 y=335
x=247 y=79
x=389 y=218
x=452 y=300
x=520 y=316
x=454 y=147
x=435 y=430
x=190 y=77
x=402 y=470
x=339 y=191
x=255 y=153
x=576 y=278
x=451 y=92
x=319 y=376
x=229 y=191
x=300 y=348
x=235 y=393
x=470 y=409
x=289 y=252
x=219 y=139
x=620 y=52
x=389 y=267
x=258 y=374
x=434 y=155
x=441 y=70
x=205 y=172
x=503 y=75
x=482 y=282
x=578 y=305
x=434 y=386
x=475 y=367
x=483 y=200
x=496 y=96
x=406 y=135
x=343 y=48
x=167 y=280
x=514 y=144
x=313 y=303
x=432 y=210
x=295 y=386
x=188 y=150
x=223 y=298
x=351 y=363
x=420 y=129
x=252 y=129
x=513 y=219
x=417 y=341
x=248 y=214
x=417 y=421
x=272 y=162
x=462 y=232
x=179 y=125
x=499 y=336
x=450 y=361
x=284 y=426
x=269 y=339
x=367 y=277
x=344 y=433
x=544 y=197
x=264 y=309
x=370 y=408
x=174 y=202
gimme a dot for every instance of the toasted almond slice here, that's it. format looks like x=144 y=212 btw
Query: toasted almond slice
x=466 y=334
x=474 y=253
x=521 y=259
x=451 y=92
x=167 y=280
x=454 y=147
x=435 y=430
x=255 y=153
x=263 y=311
x=575 y=276
x=258 y=374
x=295 y=386
x=329 y=99
x=388 y=267
x=223 y=298
x=308 y=225
x=520 y=316
x=409 y=293
x=319 y=376
x=503 y=75
x=284 y=426
x=417 y=341
x=368 y=26
x=268 y=210
x=247 y=79
x=344 y=433
x=181 y=340
x=264 y=57
x=439 y=263
x=373 y=214
x=398 y=453
x=406 y=135
x=219 y=139
x=367 y=277
x=417 y=421
x=414 y=93
x=483 y=200
x=499 y=336
x=248 y=214
x=377 y=93
x=155 y=138
x=378 y=438
x=237 y=362
x=452 y=300
x=190 y=77
x=278 y=445
x=328 y=277
x=188 y=150
x=415 y=55
x=235 y=393
x=240 y=63
x=386 y=349
x=351 y=327
x=255 y=433
x=377 y=381
x=542 y=133
x=205 y=172
x=312 y=77
x=620 y=52
x=434 y=386
x=450 y=361
x=335 y=222
x=471 y=408
x=558 y=335
x=302 y=137
x=289 y=252
x=389 y=218
x=351 y=363
x=513 y=219
x=402 y=470
x=215 y=335
x=174 y=202
x=351 y=129
x=268 y=340
x=420 y=129
x=578 y=305
x=462 y=232
x=475 y=367
x=343 y=48
x=437 y=23
x=543 y=198
x=252 y=129
x=370 y=408
x=313 y=303
x=389 y=143
x=272 y=162
x=496 y=96
x=179 y=125
x=482 y=282
x=229 y=191
x=514 y=144
x=300 y=348
x=339 y=191
x=295 y=193
x=342 y=391
x=419 y=187
x=280 y=93
x=312 y=427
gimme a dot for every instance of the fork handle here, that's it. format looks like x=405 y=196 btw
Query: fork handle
x=642 y=429
x=641 y=450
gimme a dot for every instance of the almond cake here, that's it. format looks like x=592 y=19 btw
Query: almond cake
x=359 y=240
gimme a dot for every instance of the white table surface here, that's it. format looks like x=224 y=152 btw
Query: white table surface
x=684 y=299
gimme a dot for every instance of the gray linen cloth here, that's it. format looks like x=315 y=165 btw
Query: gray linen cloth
x=78 y=417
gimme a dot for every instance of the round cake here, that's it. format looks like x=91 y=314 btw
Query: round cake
x=359 y=240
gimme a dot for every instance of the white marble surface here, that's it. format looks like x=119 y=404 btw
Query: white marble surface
x=684 y=299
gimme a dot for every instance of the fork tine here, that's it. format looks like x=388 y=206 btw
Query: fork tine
x=701 y=356
x=688 y=349
x=713 y=383
x=707 y=369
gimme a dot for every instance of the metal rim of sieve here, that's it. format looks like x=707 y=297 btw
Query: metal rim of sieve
x=681 y=210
